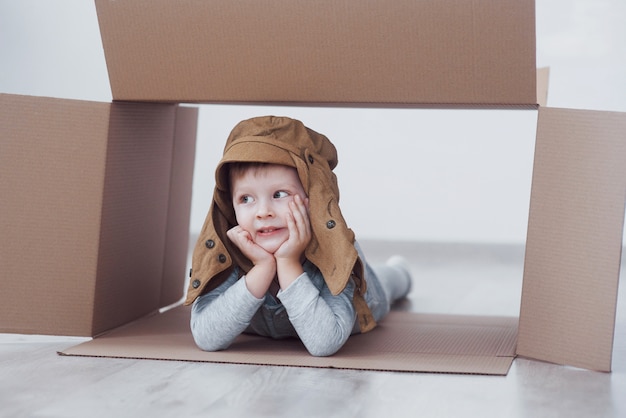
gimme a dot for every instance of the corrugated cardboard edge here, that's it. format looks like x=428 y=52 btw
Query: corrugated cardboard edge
x=574 y=242
x=404 y=341
x=543 y=81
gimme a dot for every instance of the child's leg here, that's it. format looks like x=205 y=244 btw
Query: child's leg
x=394 y=277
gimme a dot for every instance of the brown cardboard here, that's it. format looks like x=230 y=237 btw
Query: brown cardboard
x=86 y=206
x=574 y=242
x=403 y=341
x=378 y=52
x=179 y=205
x=419 y=53
x=543 y=80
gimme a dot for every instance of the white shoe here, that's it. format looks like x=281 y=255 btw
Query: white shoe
x=401 y=263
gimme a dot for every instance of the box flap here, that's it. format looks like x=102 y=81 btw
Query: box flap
x=134 y=213
x=428 y=52
x=179 y=210
x=574 y=242
x=52 y=167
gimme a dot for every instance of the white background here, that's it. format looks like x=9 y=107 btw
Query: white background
x=429 y=175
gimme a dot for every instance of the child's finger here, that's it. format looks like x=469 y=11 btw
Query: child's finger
x=300 y=220
x=302 y=211
x=301 y=225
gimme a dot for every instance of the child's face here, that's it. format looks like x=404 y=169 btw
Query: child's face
x=261 y=197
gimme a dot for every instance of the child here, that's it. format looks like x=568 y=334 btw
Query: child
x=275 y=257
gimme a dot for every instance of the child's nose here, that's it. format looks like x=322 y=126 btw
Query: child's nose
x=264 y=210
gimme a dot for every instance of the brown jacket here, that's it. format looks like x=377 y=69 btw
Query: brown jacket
x=285 y=141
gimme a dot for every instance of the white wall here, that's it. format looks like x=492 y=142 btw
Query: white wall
x=404 y=174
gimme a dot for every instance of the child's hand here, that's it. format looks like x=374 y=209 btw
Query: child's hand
x=243 y=240
x=299 y=227
x=260 y=277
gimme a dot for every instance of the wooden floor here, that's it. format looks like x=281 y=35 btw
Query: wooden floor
x=36 y=382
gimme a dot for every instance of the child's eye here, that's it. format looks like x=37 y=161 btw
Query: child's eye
x=246 y=199
x=280 y=194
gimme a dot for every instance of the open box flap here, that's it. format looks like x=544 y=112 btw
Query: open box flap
x=145 y=226
x=427 y=52
x=574 y=242
x=179 y=208
x=51 y=153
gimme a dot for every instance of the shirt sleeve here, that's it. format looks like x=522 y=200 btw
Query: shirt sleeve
x=323 y=321
x=218 y=317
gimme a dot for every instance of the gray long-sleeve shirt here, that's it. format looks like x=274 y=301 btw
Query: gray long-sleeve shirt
x=306 y=309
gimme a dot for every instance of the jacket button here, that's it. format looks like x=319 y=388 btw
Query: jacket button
x=195 y=284
x=209 y=243
x=331 y=224
x=221 y=258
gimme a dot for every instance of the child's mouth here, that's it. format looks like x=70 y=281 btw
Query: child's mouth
x=268 y=231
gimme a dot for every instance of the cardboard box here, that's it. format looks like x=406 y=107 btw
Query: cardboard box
x=382 y=53
x=95 y=212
